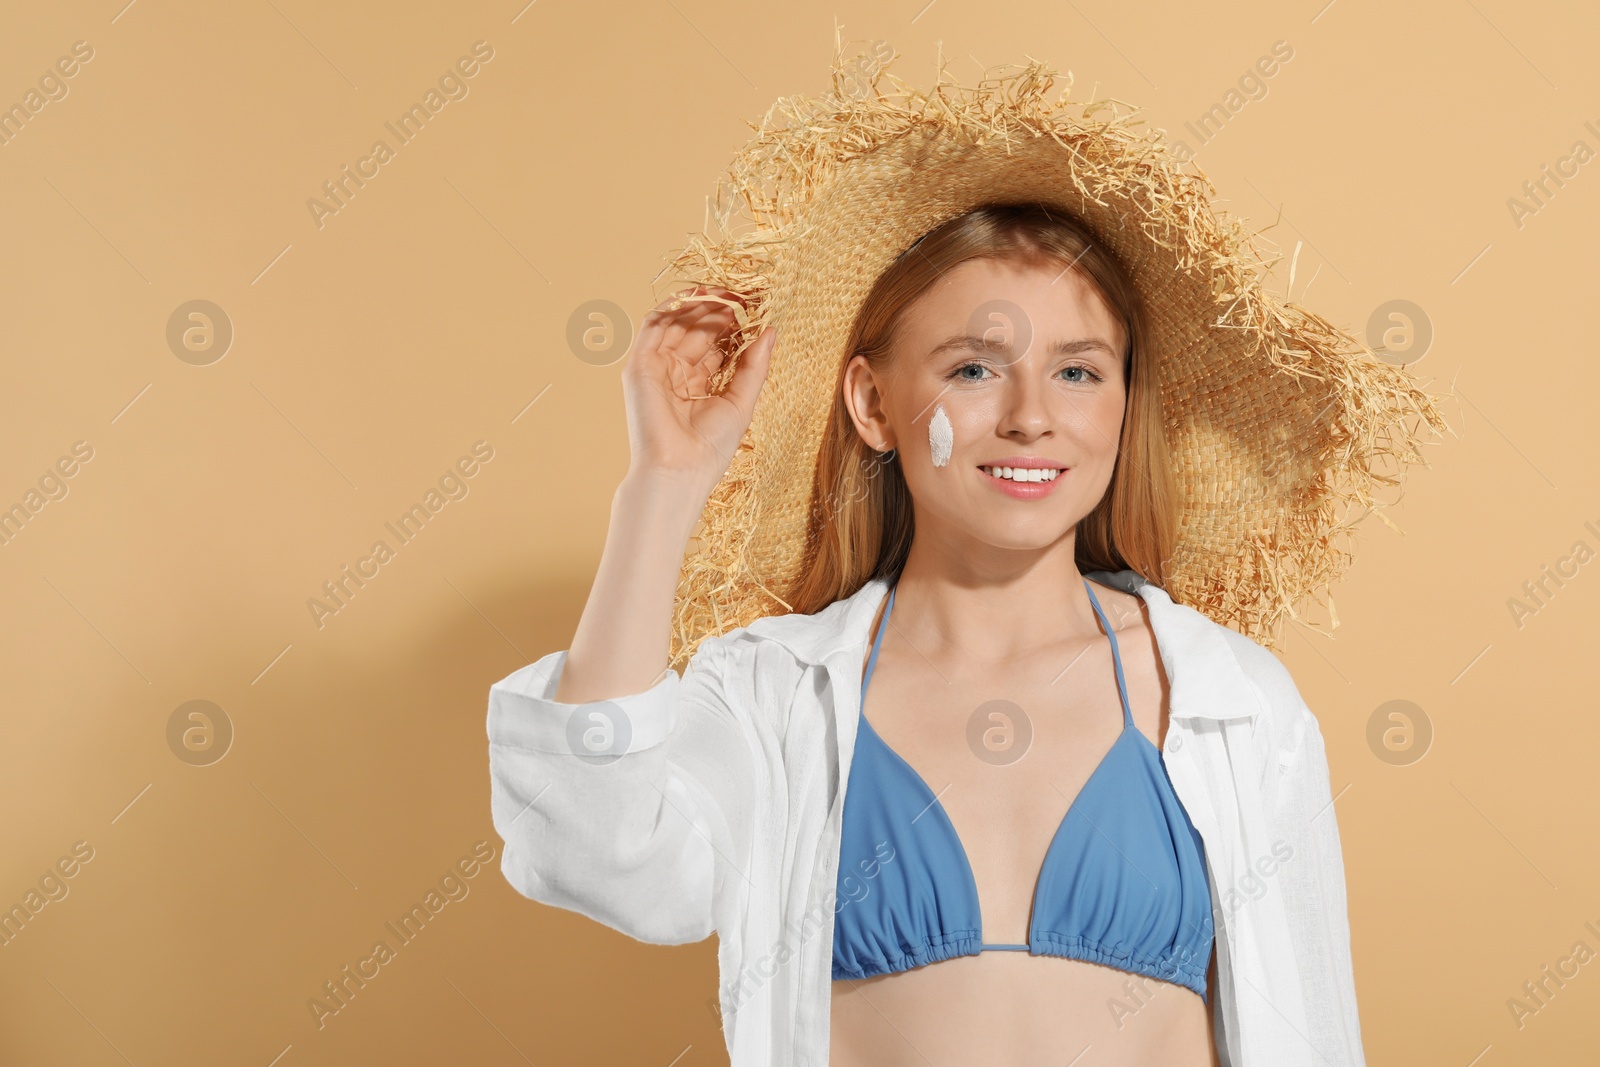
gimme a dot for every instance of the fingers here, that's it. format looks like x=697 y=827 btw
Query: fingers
x=751 y=372
x=658 y=351
x=692 y=353
x=691 y=308
x=664 y=325
x=681 y=308
x=683 y=346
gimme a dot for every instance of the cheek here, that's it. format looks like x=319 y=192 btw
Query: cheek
x=1111 y=416
x=1094 y=420
x=966 y=421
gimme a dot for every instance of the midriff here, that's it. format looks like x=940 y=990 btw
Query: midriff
x=1017 y=1009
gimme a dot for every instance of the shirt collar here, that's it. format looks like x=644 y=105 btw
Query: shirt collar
x=1204 y=675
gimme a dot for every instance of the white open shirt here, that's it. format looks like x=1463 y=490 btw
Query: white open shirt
x=723 y=816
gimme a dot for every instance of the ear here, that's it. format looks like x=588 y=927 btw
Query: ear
x=863 y=399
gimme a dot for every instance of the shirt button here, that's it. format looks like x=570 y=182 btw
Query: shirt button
x=1174 y=743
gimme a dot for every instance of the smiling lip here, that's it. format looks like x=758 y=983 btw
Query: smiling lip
x=1029 y=490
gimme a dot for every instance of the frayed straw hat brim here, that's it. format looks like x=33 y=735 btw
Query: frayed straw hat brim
x=1280 y=425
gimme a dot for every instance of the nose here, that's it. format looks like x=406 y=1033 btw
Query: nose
x=1024 y=411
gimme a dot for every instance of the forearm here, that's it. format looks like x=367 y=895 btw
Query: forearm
x=622 y=640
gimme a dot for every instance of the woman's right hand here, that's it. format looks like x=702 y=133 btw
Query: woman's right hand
x=682 y=441
x=674 y=426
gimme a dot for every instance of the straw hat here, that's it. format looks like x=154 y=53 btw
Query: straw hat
x=1280 y=425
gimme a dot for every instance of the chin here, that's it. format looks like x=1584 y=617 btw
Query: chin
x=1015 y=537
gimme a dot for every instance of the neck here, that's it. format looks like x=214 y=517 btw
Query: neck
x=993 y=606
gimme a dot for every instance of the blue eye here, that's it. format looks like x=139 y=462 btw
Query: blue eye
x=981 y=373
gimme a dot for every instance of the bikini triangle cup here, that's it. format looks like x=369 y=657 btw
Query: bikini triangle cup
x=1123 y=882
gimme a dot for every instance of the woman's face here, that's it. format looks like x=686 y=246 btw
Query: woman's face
x=1026 y=362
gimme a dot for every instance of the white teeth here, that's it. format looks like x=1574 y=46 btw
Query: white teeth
x=1023 y=474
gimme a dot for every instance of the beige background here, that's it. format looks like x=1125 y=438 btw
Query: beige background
x=428 y=313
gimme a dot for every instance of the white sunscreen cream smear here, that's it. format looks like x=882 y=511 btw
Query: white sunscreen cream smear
x=941 y=436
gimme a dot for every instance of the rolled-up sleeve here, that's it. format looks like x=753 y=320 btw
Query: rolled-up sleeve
x=632 y=811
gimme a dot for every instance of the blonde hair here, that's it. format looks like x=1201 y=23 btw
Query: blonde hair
x=859 y=525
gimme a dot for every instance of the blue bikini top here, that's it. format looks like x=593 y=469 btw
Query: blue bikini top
x=1123 y=883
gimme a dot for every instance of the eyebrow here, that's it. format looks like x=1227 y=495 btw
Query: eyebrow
x=974 y=343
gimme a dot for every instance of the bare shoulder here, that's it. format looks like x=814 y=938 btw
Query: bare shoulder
x=1269 y=679
x=1145 y=672
x=1129 y=616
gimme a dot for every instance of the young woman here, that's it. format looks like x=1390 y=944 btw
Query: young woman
x=979 y=789
x=1083 y=848
x=1086 y=868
